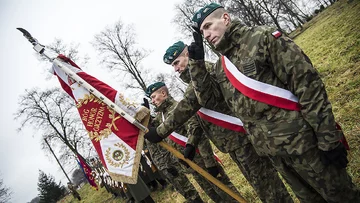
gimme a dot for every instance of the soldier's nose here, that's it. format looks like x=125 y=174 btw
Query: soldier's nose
x=206 y=35
x=176 y=68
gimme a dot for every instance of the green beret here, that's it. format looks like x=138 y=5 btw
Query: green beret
x=201 y=14
x=153 y=87
x=173 y=52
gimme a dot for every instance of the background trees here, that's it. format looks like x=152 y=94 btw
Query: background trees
x=53 y=113
x=49 y=190
x=5 y=192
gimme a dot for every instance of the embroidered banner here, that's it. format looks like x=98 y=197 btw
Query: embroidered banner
x=87 y=172
x=117 y=141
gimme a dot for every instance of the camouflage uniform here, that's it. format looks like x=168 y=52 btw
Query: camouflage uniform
x=292 y=139
x=215 y=193
x=172 y=170
x=257 y=170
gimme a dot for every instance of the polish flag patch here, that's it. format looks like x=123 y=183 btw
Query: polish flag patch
x=276 y=34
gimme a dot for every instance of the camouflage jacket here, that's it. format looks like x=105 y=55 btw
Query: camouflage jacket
x=225 y=140
x=204 y=144
x=161 y=157
x=281 y=63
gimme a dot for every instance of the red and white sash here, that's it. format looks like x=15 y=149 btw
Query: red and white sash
x=222 y=120
x=263 y=92
x=182 y=140
x=260 y=91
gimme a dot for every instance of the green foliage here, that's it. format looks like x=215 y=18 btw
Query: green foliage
x=49 y=190
x=332 y=41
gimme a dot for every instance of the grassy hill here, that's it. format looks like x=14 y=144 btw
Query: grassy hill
x=332 y=41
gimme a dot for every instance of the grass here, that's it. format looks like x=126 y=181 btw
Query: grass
x=332 y=41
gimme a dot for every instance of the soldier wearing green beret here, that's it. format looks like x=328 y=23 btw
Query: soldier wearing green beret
x=257 y=170
x=271 y=85
x=165 y=103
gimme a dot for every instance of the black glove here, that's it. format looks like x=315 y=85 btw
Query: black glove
x=189 y=152
x=337 y=157
x=153 y=136
x=146 y=103
x=184 y=163
x=196 y=48
x=214 y=171
x=173 y=171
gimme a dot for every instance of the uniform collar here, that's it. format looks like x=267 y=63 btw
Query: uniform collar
x=163 y=106
x=233 y=32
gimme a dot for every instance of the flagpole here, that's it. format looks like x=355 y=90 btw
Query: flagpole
x=41 y=50
x=98 y=94
x=202 y=172
x=57 y=160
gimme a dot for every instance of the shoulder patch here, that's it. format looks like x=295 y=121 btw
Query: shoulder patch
x=276 y=34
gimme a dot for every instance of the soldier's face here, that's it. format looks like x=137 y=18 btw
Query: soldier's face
x=180 y=63
x=158 y=97
x=213 y=28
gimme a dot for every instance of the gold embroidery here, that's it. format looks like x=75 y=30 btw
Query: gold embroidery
x=89 y=98
x=93 y=118
x=118 y=157
x=126 y=102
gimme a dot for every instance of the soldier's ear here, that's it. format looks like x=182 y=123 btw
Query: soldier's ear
x=186 y=52
x=226 y=18
x=163 y=92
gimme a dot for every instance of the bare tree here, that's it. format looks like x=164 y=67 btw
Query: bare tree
x=175 y=85
x=53 y=112
x=183 y=16
x=272 y=9
x=117 y=46
x=247 y=11
x=5 y=192
x=70 y=50
x=290 y=11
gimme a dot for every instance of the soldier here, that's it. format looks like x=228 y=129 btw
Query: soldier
x=165 y=103
x=139 y=191
x=172 y=170
x=271 y=85
x=226 y=137
x=150 y=177
x=73 y=191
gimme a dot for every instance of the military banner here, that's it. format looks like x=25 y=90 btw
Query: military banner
x=117 y=141
x=87 y=172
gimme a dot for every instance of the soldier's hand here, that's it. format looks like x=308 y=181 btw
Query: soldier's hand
x=214 y=171
x=189 y=152
x=173 y=171
x=184 y=163
x=145 y=103
x=196 y=48
x=336 y=157
x=152 y=135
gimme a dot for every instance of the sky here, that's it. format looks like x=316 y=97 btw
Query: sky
x=72 y=21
